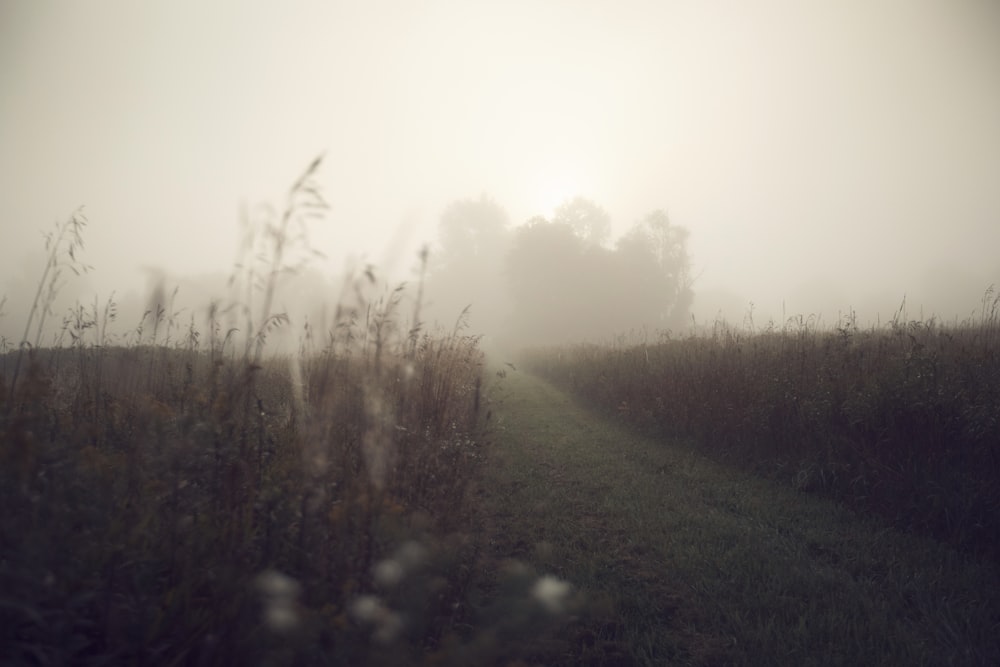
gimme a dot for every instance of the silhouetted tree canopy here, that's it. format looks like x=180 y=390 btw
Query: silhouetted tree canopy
x=656 y=251
x=588 y=220
x=566 y=285
x=467 y=266
x=557 y=280
x=543 y=269
x=472 y=230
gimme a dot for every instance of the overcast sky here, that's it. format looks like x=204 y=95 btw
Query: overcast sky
x=822 y=154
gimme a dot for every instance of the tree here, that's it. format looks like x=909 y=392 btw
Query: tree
x=566 y=285
x=472 y=230
x=466 y=267
x=588 y=220
x=657 y=251
x=541 y=271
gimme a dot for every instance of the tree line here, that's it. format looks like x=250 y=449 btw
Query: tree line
x=561 y=278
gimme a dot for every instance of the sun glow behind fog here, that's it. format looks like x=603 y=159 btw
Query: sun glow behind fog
x=554 y=184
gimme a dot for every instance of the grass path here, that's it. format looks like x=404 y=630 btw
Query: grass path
x=675 y=560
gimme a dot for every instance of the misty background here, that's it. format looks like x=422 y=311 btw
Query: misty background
x=808 y=158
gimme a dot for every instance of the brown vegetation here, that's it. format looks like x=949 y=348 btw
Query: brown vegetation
x=183 y=497
x=901 y=420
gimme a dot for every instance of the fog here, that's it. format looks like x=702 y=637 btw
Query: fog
x=821 y=157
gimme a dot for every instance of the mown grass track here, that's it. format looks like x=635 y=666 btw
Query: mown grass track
x=676 y=560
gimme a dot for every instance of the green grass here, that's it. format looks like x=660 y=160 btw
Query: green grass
x=677 y=560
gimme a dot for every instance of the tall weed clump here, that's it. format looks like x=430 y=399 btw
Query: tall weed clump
x=178 y=496
x=902 y=420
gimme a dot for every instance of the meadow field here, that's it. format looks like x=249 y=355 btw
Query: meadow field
x=181 y=494
x=184 y=494
x=901 y=420
x=189 y=505
x=388 y=496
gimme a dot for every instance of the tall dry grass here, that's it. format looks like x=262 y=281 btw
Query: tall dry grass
x=181 y=497
x=902 y=420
